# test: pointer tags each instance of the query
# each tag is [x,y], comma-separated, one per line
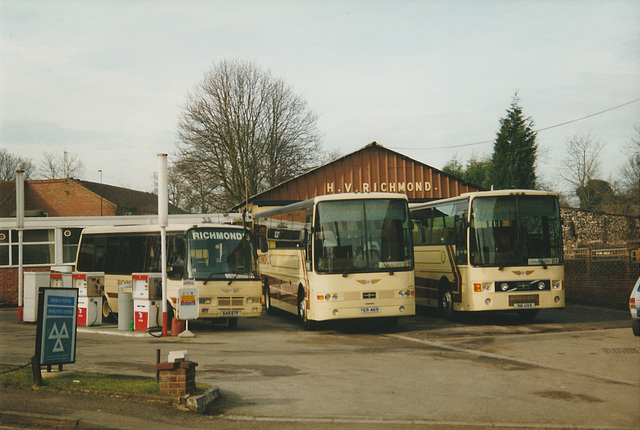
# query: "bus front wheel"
[107,315]
[445,302]
[267,300]
[303,312]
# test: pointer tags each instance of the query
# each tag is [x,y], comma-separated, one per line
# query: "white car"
[634,307]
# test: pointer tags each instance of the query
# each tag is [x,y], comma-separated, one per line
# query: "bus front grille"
[230,301]
[524,298]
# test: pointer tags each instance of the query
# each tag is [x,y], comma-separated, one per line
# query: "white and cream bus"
[338,256]
[220,260]
[489,251]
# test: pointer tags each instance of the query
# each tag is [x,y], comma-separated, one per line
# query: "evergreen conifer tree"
[514,151]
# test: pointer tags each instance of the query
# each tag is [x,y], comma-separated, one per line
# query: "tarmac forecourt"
[577,356]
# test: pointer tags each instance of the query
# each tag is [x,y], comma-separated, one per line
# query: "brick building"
[56,211]
[73,197]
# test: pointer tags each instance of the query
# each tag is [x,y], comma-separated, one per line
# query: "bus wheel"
[302,312]
[107,315]
[445,302]
[232,322]
[267,300]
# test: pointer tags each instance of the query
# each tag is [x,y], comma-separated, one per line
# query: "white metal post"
[20,227]
[163,216]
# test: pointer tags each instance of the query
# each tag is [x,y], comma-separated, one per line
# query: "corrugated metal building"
[373,168]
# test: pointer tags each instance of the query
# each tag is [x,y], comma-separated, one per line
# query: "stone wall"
[602,257]
[595,229]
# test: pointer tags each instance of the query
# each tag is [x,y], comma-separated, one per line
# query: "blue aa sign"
[56,330]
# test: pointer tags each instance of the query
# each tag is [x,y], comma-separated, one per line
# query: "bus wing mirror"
[262,241]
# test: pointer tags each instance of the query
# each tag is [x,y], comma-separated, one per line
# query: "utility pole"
[101,188]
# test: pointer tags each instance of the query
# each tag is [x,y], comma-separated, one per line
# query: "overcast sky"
[106,79]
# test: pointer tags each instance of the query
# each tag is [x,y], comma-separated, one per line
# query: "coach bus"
[489,251]
[219,260]
[339,256]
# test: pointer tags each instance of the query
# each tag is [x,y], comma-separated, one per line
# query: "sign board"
[56,328]
[188,303]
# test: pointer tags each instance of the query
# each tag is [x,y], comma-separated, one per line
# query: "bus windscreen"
[362,236]
[515,231]
[221,254]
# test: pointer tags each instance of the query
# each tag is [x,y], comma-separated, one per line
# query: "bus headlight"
[541,285]
[404,293]
[328,296]
[504,286]
[481,287]
[556,285]
[251,300]
[205,300]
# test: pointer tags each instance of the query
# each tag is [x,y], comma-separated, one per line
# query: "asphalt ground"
[577,368]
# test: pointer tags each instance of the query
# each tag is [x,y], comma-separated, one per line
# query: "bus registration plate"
[230,313]
[524,305]
[369,310]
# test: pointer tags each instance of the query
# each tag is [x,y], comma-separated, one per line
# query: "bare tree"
[9,163]
[581,163]
[243,131]
[53,166]
[631,171]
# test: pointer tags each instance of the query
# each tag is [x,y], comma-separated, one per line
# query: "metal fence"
[616,254]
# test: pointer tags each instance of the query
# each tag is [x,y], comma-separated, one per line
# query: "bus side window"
[154,259]
[99,256]
[87,255]
[461,239]
[418,232]
[461,225]
[176,253]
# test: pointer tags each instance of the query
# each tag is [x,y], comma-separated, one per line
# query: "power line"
[587,116]
[537,131]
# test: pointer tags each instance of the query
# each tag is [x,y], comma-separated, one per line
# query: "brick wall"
[600,283]
[178,377]
[9,283]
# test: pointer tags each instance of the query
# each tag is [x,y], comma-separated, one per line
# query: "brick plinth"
[178,377]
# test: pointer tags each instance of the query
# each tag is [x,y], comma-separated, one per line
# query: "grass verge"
[85,382]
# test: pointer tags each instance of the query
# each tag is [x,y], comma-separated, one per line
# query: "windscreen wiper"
[541,260]
[209,278]
[351,262]
[536,255]
[506,262]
